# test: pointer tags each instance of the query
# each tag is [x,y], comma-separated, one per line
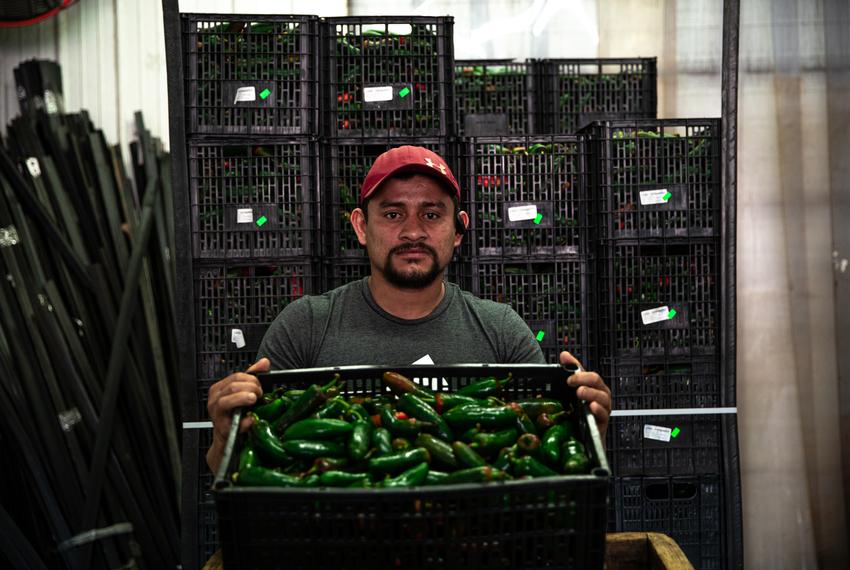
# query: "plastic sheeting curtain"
[788,396]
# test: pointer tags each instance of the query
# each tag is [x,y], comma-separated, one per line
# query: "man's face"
[410,235]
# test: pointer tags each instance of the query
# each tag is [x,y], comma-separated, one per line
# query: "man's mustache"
[412,246]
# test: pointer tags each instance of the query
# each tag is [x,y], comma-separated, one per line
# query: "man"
[410,222]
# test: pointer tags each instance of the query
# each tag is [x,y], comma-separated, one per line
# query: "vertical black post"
[836,14]
[733,539]
[183,256]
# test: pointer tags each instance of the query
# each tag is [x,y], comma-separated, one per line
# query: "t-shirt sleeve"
[287,342]
[520,346]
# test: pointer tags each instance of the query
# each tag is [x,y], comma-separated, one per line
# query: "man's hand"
[238,389]
[592,389]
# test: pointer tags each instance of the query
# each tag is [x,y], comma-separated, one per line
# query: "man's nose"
[413,228]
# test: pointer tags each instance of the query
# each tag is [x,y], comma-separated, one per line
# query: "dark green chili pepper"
[247,457]
[505,459]
[341,478]
[491,443]
[476,475]
[528,465]
[574,457]
[536,406]
[411,477]
[361,435]
[439,450]
[306,449]
[414,406]
[307,403]
[316,429]
[445,401]
[268,444]
[404,428]
[466,455]
[272,410]
[553,440]
[323,464]
[483,388]
[333,408]
[491,418]
[262,477]
[524,424]
[436,477]
[382,441]
[397,462]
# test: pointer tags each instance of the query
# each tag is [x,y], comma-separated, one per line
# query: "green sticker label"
[671,314]
[265,93]
[667,196]
[404,92]
[674,433]
[538,218]
[540,335]
[262,220]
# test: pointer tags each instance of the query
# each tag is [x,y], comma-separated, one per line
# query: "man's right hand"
[238,389]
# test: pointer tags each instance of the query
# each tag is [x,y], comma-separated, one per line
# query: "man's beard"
[417,280]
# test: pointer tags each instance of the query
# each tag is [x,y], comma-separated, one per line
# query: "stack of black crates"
[597,222]
[386,82]
[658,204]
[601,226]
[250,107]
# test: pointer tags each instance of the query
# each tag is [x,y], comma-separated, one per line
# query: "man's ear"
[464,217]
[358,222]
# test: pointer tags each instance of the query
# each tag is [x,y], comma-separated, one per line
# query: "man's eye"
[391,215]
[432,216]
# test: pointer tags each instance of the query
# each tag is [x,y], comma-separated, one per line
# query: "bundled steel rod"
[87,357]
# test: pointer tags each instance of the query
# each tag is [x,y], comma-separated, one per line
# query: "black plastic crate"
[251,74]
[659,299]
[688,509]
[243,298]
[207,518]
[346,164]
[665,445]
[658,178]
[661,383]
[388,76]
[253,200]
[527,196]
[551,296]
[575,92]
[552,522]
[494,97]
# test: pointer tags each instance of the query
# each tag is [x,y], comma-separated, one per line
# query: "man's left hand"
[593,390]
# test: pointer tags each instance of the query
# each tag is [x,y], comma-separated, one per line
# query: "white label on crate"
[520,213]
[50,102]
[244,216]
[237,338]
[33,167]
[657,433]
[650,197]
[655,315]
[374,94]
[245,94]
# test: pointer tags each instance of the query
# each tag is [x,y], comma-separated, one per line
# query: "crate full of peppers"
[497,466]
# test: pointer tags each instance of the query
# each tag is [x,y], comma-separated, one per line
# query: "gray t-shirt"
[346,327]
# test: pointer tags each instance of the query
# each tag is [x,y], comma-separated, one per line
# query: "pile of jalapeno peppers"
[409,436]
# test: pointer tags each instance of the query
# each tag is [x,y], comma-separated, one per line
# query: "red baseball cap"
[408,159]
